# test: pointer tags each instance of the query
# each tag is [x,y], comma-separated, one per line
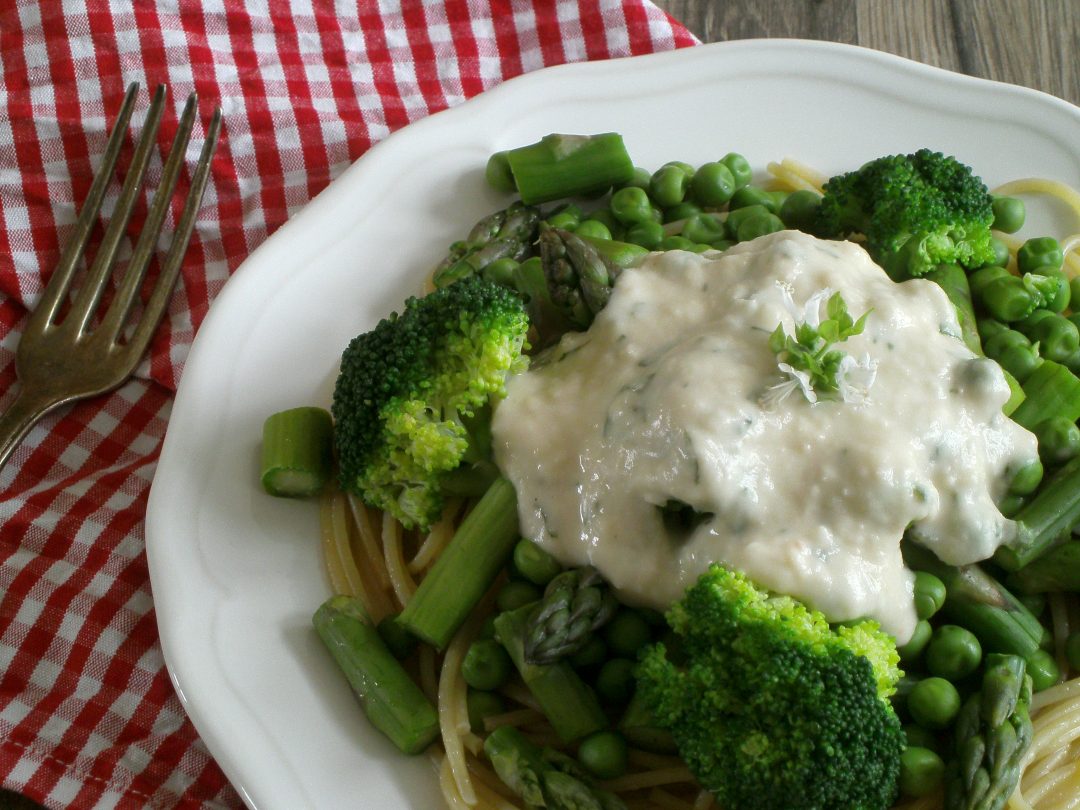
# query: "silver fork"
[61,360]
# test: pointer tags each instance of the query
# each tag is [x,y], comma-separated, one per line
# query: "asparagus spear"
[575,603]
[1052,390]
[542,777]
[472,559]
[953,280]
[980,603]
[560,166]
[1045,519]
[992,732]
[569,705]
[1056,570]
[504,234]
[390,698]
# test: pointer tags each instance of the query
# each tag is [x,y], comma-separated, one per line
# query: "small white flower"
[854,378]
[811,311]
[796,379]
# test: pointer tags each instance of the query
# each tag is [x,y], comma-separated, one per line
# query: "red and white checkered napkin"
[88,717]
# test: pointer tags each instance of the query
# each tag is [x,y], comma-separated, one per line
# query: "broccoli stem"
[296,452]
[953,280]
[980,603]
[390,698]
[569,705]
[1056,570]
[465,570]
[569,165]
[1052,390]
[642,731]
[1048,516]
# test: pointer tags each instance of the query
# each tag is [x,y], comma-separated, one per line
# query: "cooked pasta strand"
[668,801]
[400,579]
[368,539]
[646,779]
[341,568]
[436,539]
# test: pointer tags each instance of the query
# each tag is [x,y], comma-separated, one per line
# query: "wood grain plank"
[716,20]
[1033,43]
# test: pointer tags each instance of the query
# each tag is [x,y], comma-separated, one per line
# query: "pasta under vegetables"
[370,558]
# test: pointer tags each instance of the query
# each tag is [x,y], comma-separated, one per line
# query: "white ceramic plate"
[237,574]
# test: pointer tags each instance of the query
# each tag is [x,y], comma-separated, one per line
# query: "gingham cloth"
[88,716]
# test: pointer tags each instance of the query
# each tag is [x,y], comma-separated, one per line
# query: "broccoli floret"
[407,391]
[917,211]
[769,706]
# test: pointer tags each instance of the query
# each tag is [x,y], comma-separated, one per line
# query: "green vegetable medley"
[768,704]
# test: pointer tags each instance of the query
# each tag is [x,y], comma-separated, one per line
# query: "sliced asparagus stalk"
[390,698]
[560,166]
[465,570]
[1045,519]
[296,452]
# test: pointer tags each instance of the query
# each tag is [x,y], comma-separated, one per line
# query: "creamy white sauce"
[661,400]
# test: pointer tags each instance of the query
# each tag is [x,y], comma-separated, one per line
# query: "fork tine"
[118,310]
[82,309]
[159,298]
[60,281]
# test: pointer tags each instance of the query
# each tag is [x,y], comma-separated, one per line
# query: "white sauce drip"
[661,400]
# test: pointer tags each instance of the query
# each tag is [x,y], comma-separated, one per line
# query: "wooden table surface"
[1034,43]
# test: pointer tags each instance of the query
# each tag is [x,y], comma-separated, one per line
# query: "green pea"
[593,654]
[593,228]
[627,633]
[1013,352]
[753,227]
[929,594]
[953,652]
[605,217]
[1074,289]
[397,639]
[566,219]
[1059,440]
[712,185]
[677,243]
[482,705]
[631,205]
[615,681]
[1057,336]
[498,174]
[752,195]
[487,629]
[1027,478]
[921,771]
[703,228]
[647,234]
[1009,214]
[778,197]
[516,593]
[914,647]
[1043,670]
[1072,651]
[1011,504]
[639,178]
[535,564]
[739,215]
[603,754]
[922,737]
[722,244]
[739,168]
[486,665]
[933,703]
[500,271]
[685,167]
[668,186]
[683,210]
[988,327]
[1039,254]
[800,209]
[1001,253]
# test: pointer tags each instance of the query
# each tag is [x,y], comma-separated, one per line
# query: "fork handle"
[23,413]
